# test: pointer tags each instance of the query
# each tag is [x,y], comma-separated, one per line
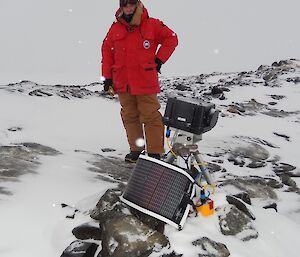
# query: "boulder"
[210,248]
[128,236]
[80,249]
[234,222]
[87,231]
[256,187]
[109,206]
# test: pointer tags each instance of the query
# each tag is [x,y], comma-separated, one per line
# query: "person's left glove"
[159,63]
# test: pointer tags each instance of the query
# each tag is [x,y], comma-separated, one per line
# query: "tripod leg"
[203,169]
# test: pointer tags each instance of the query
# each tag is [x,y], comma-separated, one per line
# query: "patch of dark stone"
[286,169]
[244,196]
[20,159]
[80,249]
[125,230]
[277,97]
[279,113]
[210,248]
[234,222]
[254,152]
[111,169]
[253,107]
[295,80]
[287,138]
[271,206]
[238,203]
[213,167]
[256,187]
[107,150]
[236,160]
[14,129]
[263,154]
[272,103]
[64,91]
[72,211]
[3,190]
[41,149]
[87,231]
[256,164]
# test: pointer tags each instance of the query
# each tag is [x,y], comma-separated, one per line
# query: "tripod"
[184,150]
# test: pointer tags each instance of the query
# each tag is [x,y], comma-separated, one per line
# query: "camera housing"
[190,115]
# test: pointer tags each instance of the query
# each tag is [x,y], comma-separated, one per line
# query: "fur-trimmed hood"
[140,14]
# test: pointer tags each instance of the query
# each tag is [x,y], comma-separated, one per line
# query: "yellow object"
[170,147]
[206,209]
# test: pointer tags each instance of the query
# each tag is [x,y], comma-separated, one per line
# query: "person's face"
[129,9]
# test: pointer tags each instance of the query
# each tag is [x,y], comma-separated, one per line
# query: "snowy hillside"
[58,41]
[62,147]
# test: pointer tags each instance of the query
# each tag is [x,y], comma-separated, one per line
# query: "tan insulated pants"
[139,110]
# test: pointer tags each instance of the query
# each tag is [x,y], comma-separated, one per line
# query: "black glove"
[107,84]
[159,63]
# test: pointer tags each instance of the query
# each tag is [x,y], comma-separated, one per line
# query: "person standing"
[133,51]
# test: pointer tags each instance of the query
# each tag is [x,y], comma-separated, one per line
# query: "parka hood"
[140,15]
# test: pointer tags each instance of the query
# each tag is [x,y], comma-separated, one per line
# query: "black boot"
[154,155]
[132,156]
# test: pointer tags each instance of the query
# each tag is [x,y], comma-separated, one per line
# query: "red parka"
[129,52]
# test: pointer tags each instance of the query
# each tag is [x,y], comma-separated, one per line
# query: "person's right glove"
[108,87]
[107,83]
[159,63]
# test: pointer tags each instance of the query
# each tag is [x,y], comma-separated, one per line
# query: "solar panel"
[160,190]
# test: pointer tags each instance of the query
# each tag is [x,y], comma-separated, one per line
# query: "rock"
[256,164]
[41,149]
[234,222]
[288,181]
[181,87]
[87,231]
[128,236]
[273,182]
[212,167]
[270,76]
[296,80]
[287,138]
[20,159]
[272,103]
[255,187]
[80,249]
[277,97]
[172,254]
[237,160]
[210,248]
[111,169]
[238,203]
[244,196]
[233,110]
[106,150]
[14,129]
[150,221]
[271,206]
[216,91]
[253,151]
[109,206]
[286,169]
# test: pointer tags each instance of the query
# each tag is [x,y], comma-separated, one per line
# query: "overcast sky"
[58,41]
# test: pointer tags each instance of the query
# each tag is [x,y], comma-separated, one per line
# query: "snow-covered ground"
[32,222]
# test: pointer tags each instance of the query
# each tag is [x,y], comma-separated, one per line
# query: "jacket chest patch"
[146,44]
